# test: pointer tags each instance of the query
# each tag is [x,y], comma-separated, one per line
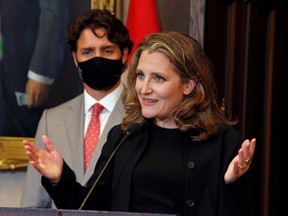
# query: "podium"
[59,212]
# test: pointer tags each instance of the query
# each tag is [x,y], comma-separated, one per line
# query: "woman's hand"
[241,162]
[48,163]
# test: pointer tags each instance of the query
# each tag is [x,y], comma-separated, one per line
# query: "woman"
[184,158]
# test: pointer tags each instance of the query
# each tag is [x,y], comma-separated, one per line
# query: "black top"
[160,170]
[183,177]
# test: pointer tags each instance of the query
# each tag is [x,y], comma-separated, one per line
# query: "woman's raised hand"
[241,162]
[48,163]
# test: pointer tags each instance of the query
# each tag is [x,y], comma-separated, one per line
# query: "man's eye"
[108,52]
[86,53]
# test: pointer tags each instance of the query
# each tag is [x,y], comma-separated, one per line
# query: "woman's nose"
[146,88]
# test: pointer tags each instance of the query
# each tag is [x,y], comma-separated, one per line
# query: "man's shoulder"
[74,102]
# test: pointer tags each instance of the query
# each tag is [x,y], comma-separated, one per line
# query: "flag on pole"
[142,19]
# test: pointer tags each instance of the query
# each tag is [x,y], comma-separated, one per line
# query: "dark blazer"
[206,192]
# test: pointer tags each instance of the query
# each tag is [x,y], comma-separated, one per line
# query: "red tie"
[92,134]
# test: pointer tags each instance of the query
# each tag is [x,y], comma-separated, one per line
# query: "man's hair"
[94,19]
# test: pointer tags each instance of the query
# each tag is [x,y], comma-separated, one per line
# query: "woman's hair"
[94,19]
[199,110]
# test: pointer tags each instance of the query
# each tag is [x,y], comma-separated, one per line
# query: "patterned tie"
[92,134]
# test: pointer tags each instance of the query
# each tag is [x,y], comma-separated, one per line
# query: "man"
[33,48]
[100,45]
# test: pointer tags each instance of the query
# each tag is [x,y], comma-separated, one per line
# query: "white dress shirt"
[108,102]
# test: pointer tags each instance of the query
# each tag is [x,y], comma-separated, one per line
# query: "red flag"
[142,19]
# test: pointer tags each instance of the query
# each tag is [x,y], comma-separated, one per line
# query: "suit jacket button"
[190,203]
[191,164]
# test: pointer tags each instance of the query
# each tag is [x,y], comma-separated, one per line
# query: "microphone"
[132,129]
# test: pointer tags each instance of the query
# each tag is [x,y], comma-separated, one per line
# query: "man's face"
[90,46]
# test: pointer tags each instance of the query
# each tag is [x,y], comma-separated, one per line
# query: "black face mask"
[100,73]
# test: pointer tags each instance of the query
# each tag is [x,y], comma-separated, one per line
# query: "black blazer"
[206,192]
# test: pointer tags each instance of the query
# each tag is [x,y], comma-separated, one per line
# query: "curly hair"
[94,19]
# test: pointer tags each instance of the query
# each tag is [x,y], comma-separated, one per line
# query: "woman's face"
[159,88]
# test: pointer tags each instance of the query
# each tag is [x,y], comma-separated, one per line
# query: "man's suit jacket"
[64,125]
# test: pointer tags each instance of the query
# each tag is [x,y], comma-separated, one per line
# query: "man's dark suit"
[34,39]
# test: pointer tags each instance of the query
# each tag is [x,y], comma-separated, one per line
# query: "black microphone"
[132,129]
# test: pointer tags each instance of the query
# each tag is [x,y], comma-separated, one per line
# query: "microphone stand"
[132,129]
